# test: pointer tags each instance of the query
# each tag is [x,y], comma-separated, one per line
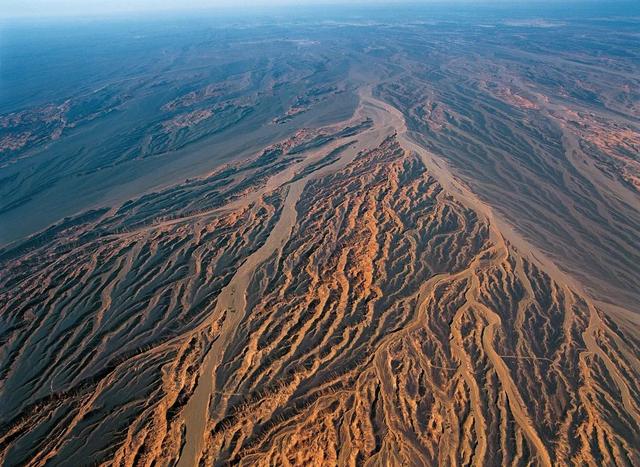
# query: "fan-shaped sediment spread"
[339,299]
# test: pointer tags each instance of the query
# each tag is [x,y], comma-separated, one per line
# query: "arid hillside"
[445,275]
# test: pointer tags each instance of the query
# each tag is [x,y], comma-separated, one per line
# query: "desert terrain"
[381,238]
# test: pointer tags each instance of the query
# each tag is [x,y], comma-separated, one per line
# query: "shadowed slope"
[106,317]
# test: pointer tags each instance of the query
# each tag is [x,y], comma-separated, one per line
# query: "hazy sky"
[13,8]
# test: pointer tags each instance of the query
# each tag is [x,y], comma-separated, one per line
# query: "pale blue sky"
[30,8]
[96,7]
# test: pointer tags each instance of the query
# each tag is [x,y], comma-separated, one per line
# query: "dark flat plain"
[112,143]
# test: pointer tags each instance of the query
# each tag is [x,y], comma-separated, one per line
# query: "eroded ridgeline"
[397,326]
[107,317]
[347,304]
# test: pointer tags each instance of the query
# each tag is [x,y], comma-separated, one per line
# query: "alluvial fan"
[418,245]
